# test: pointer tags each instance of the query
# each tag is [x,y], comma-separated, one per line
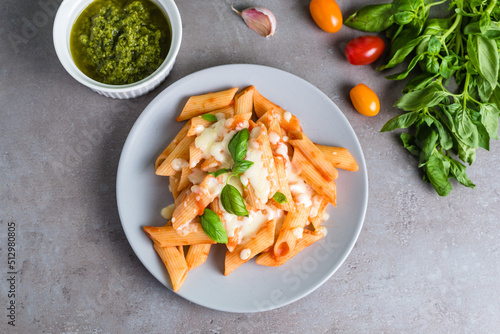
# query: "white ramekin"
[68,13]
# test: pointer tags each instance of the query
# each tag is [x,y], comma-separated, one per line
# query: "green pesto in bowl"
[119,42]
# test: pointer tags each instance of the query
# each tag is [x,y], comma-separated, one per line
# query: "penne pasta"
[201,104]
[175,263]
[180,135]
[243,101]
[242,253]
[197,255]
[166,236]
[314,156]
[294,221]
[267,259]
[339,157]
[175,161]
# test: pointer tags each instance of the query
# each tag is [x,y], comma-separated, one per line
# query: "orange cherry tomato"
[326,14]
[365,100]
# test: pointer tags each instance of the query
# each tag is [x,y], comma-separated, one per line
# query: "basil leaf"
[466,153]
[434,46]
[209,117]
[232,201]
[437,177]
[238,145]
[372,18]
[404,74]
[402,121]
[485,23]
[241,166]
[426,139]
[465,129]
[409,143]
[489,118]
[483,54]
[280,198]
[427,97]
[419,82]
[458,171]
[400,52]
[220,172]
[445,138]
[213,227]
[432,65]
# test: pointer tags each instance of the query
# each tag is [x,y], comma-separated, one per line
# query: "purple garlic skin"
[259,19]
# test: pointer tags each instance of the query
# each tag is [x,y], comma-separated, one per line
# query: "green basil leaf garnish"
[213,227]
[232,201]
[209,117]
[220,172]
[238,145]
[280,198]
[241,166]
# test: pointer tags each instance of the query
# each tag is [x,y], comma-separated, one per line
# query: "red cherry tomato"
[365,100]
[326,14]
[364,50]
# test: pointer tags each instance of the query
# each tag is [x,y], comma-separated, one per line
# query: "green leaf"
[232,201]
[238,145]
[432,65]
[445,138]
[466,153]
[489,118]
[213,227]
[209,117]
[280,198]
[437,176]
[419,99]
[404,74]
[241,166]
[465,129]
[409,143]
[426,139]
[485,23]
[401,122]
[220,172]
[404,17]
[434,46]
[419,82]
[400,52]
[458,171]
[483,54]
[371,18]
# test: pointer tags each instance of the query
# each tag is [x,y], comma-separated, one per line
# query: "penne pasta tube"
[339,157]
[195,155]
[166,236]
[201,104]
[308,238]
[239,121]
[198,124]
[194,203]
[175,263]
[267,159]
[251,198]
[184,180]
[316,217]
[313,155]
[243,101]
[180,135]
[197,255]
[314,178]
[176,159]
[173,184]
[244,252]
[291,230]
[210,165]
[288,121]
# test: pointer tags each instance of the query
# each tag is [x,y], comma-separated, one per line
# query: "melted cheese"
[178,164]
[213,142]
[167,211]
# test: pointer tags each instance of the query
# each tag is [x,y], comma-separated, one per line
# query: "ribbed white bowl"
[67,14]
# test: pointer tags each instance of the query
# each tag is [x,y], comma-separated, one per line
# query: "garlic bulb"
[259,19]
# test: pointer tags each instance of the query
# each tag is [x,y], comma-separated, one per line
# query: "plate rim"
[151,107]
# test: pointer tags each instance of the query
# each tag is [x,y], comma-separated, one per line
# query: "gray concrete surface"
[422,264]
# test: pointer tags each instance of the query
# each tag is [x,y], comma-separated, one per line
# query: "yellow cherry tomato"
[326,14]
[365,100]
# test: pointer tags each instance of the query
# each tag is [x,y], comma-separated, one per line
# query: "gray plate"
[251,288]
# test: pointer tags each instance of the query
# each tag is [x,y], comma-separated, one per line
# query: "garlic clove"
[259,19]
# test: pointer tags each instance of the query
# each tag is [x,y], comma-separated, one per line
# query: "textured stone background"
[422,264]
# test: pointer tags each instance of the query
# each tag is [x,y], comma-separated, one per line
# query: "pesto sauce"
[119,42]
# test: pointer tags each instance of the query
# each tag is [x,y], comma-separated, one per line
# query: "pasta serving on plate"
[243,173]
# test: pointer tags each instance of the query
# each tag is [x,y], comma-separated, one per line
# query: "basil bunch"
[445,126]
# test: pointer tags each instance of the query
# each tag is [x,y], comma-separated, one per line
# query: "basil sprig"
[280,198]
[213,227]
[445,126]
[209,117]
